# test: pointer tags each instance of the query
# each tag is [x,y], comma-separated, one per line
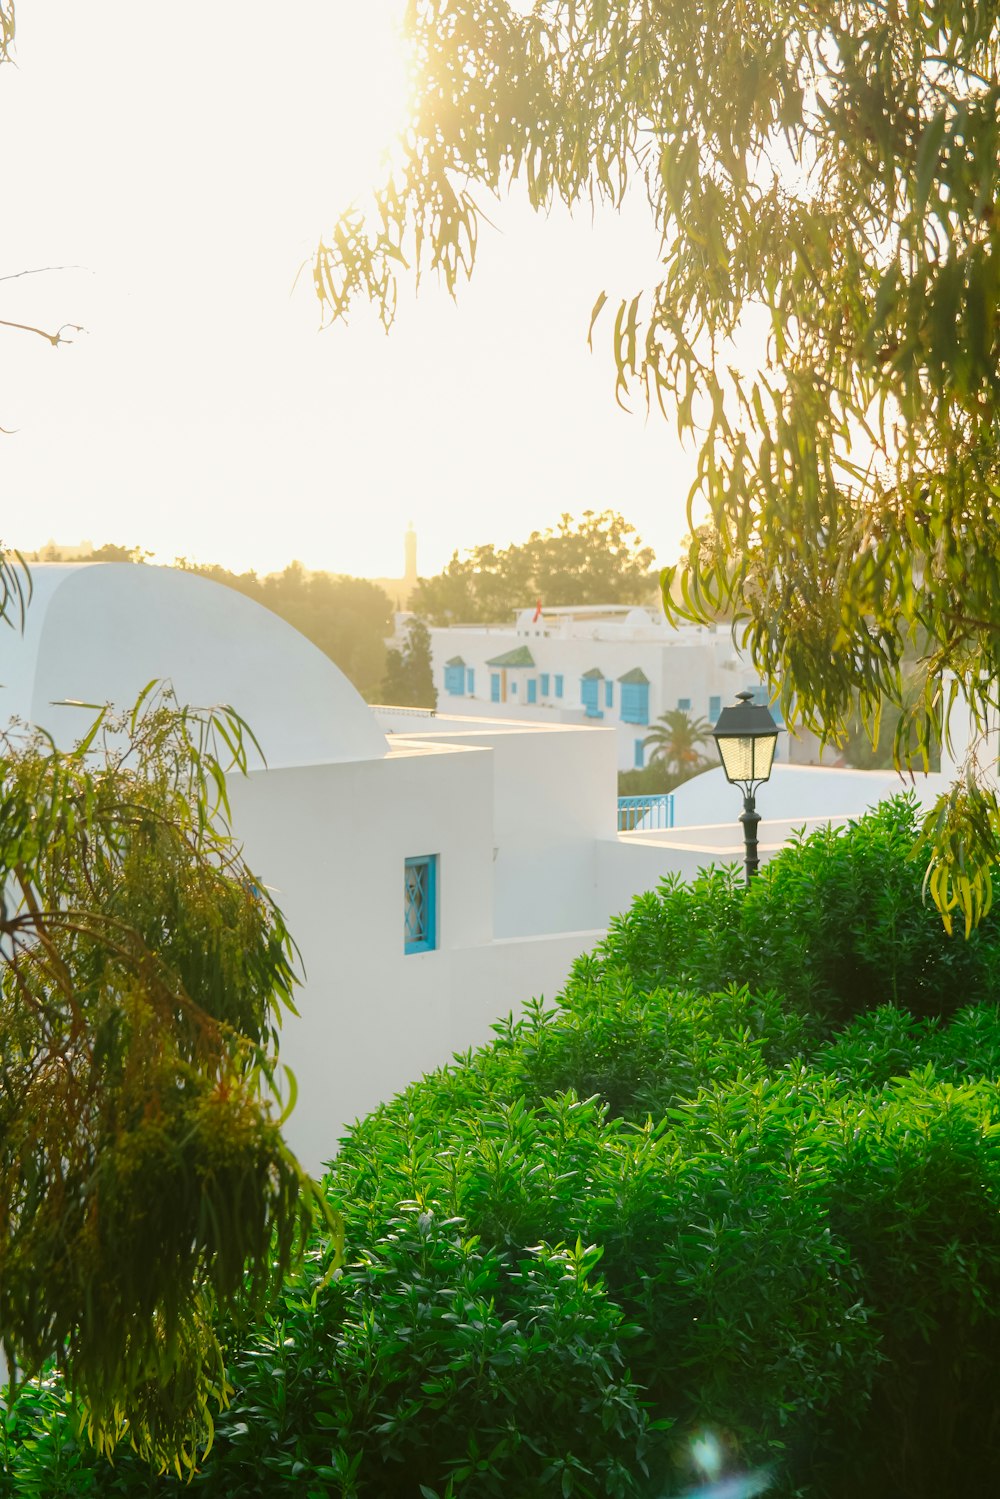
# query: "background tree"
[109,552]
[347,618]
[834,168]
[675,738]
[409,677]
[599,559]
[144,970]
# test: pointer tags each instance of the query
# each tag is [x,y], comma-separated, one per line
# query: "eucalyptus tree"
[831,169]
[145,1188]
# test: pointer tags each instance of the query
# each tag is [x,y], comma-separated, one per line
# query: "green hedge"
[727,1197]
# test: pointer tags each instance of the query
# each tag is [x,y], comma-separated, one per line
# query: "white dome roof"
[99,632]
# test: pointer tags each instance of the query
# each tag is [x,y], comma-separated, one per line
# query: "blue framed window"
[714,708]
[545,683]
[454,679]
[761,696]
[470,681]
[532,690]
[609,694]
[640,754]
[513,689]
[494,686]
[420,895]
[635,702]
[559,686]
[684,705]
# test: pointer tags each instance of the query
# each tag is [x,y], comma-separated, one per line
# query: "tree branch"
[40,270]
[54,339]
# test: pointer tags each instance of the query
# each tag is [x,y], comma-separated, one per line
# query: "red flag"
[538,612]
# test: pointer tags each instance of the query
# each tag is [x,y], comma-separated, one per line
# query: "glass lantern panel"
[763,756]
[738,758]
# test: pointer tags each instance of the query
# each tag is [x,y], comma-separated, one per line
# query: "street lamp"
[746,735]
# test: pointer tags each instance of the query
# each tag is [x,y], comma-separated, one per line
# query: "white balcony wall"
[331,842]
[553,795]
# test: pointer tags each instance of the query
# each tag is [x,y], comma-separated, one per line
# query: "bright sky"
[188,159]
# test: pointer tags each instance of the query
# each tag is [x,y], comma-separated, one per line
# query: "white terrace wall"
[331,842]
[552,797]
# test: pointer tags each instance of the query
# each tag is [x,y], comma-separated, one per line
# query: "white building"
[436,871]
[618,665]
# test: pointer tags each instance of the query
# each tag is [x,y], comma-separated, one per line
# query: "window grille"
[420,904]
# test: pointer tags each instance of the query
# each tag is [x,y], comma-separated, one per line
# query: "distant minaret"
[410,556]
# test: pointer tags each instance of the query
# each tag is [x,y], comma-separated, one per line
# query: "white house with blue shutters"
[436,870]
[618,666]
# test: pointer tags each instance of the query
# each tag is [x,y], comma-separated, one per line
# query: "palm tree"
[675,738]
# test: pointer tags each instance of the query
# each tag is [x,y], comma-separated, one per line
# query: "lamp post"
[745,736]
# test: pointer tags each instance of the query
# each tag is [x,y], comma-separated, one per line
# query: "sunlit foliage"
[722,1222]
[830,172]
[144,970]
[598,559]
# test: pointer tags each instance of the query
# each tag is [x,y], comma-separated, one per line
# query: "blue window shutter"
[513,687]
[420,904]
[454,680]
[588,696]
[545,684]
[609,694]
[494,686]
[714,708]
[532,690]
[640,754]
[635,702]
[684,705]
[559,686]
[470,681]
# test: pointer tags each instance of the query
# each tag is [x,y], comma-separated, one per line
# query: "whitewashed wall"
[694,663]
[331,841]
[553,794]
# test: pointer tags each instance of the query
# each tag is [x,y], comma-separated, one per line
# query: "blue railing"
[645,812]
